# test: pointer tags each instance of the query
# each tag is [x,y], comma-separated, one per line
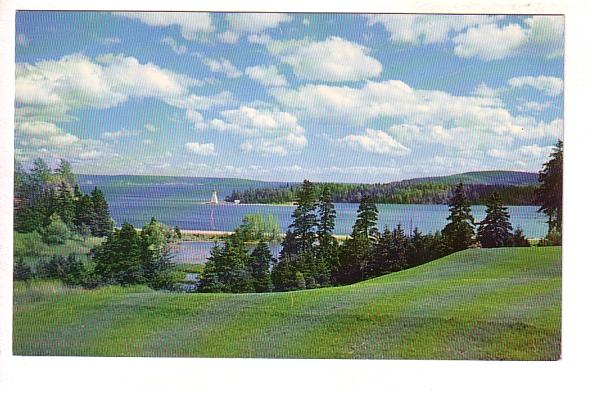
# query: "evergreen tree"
[366,222]
[495,229]
[304,218]
[65,175]
[84,213]
[459,232]
[260,262]
[65,204]
[103,225]
[327,243]
[355,254]
[519,240]
[550,192]
[389,253]
[155,254]
[227,269]
[119,258]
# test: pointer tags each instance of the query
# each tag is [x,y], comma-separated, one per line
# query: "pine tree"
[260,262]
[103,224]
[355,254]
[550,192]
[519,240]
[65,204]
[327,262]
[119,258]
[304,218]
[495,229]
[84,213]
[65,175]
[389,254]
[459,232]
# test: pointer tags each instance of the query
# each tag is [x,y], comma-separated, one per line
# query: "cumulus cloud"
[375,141]
[266,75]
[490,42]
[76,81]
[267,131]
[223,66]
[192,24]
[202,149]
[176,48]
[537,35]
[426,29]
[253,24]
[430,115]
[534,106]
[332,60]
[549,85]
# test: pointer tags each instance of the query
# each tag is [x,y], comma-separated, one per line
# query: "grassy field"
[475,304]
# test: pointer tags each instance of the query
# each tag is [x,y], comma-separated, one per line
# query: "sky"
[326,97]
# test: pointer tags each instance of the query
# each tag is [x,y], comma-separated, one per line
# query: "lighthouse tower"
[214,200]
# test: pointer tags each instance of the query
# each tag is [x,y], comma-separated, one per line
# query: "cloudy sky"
[328,97]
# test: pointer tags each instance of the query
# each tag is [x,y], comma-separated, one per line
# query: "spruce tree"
[459,232]
[495,229]
[355,254]
[304,218]
[550,192]
[103,224]
[260,262]
[519,240]
[119,258]
[327,243]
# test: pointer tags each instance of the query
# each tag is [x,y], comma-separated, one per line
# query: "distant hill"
[506,178]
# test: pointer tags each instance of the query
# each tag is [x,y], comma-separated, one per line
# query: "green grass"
[476,304]
[31,248]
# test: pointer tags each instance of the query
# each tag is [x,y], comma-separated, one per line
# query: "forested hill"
[515,188]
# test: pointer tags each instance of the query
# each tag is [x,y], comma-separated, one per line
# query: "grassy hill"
[475,304]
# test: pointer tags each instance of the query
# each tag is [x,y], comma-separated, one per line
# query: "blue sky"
[328,97]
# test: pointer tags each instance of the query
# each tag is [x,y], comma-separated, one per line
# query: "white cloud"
[431,116]
[259,39]
[120,134]
[229,37]
[110,40]
[75,81]
[269,132]
[196,118]
[150,127]
[266,75]
[222,66]
[549,85]
[176,48]
[537,35]
[195,102]
[202,149]
[484,90]
[490,42]
[332,60]
[255,22]
[534,106]
[376,141]
[191,24]
[426,29]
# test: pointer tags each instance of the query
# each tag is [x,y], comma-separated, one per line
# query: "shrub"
[519,240]
[553,238]
[57,232]
[22,271]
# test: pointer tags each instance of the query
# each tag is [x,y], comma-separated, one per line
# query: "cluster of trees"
[51,202]
[130,257]
[260,227]
[404,192]
[312,257]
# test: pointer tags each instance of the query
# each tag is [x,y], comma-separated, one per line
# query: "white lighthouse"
[214,200]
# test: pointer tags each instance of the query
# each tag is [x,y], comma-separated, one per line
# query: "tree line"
[51,203]
[404,192]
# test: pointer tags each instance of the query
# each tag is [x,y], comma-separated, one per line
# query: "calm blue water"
[180,202]
[198,252]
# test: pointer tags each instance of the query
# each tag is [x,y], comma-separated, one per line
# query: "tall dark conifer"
[103,224]
[459,232]
[495,229]
[550,192]
[304,218]
[260,262]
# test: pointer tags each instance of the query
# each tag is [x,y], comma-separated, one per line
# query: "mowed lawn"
[475,304]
